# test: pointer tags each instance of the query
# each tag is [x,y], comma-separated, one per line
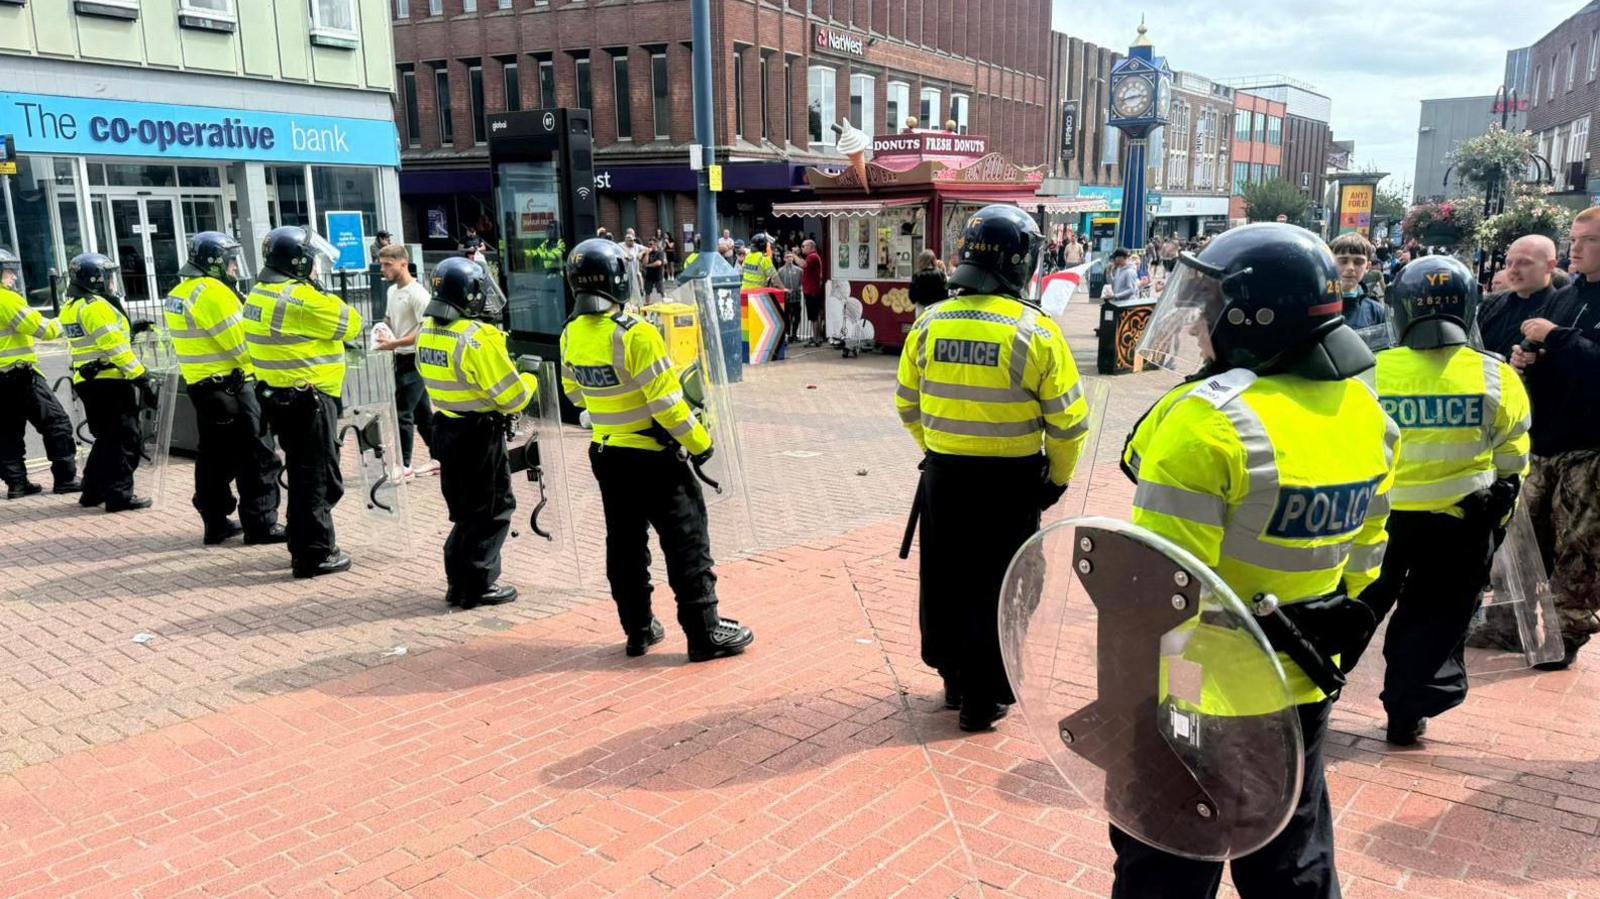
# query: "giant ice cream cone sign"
[854,145]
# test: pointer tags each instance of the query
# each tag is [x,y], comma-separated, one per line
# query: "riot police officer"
[296,332]
[758,271]
[616,366]
[1464,417]
[25,396]
[989,390]
[110,380]
[1272,465]
[205,320]
[474,388]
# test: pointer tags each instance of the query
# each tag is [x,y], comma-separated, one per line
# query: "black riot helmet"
[597,272]
[213,254]
[761,242]
[293,253]
[1434,303]
[91,274]
[462,288]
[11,272]
[1263,297]
[999,249]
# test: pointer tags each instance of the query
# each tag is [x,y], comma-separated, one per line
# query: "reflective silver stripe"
[277,339]
[974,393]
[1366,558]
[344,323]
[17,353]
[909,394]
[1063,402]
[505,383]
[464,405]
[661,405]
[292,364]
[1379,506]
[657,369]
[683,429]
[982,428]
[213,331]
[1417,451]
[1511,464]
[1491,389]
[1518,429]
[1285,558]
[1020,345]
[103,329]
[280,309]
[971,315]
[632,416]
[1391,440]
[1242,539]
[1072,433]
[910,416]
[17,320]
[1455,488]
[208,357]
[1199,508]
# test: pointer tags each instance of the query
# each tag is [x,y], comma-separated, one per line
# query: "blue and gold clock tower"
[1141,98]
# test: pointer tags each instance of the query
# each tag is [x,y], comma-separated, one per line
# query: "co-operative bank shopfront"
[133,179]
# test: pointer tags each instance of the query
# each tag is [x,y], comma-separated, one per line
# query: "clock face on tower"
[1133,97]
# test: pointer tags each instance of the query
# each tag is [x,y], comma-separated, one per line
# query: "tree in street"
[1265,201]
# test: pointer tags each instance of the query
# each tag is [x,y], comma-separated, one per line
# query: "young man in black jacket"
[1530,262]
[1561,364]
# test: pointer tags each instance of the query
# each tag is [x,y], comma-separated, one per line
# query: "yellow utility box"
[680,328]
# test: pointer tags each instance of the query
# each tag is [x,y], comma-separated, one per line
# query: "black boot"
[497,595]
[979,713]
[64,487]
[220,532]
[335,563]
[131,504]
[65,474]
[26,488]
[1405,733]
[639,642]
[726,638]
[952,689]
[1569,656]
[274,534]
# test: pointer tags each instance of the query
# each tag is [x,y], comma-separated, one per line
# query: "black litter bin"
[1122,323]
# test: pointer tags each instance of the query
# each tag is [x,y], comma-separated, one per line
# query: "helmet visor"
[113,273]
[235,266]
[1178,336]
[11,273]
[494,299]
[324,255]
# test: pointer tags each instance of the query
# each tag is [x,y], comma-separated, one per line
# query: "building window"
[788,107]
[1241,126]
[619,71]
[766,130]
[111,9]
[402,9]
[435,7]
[212,15]
[1274,131]
[585,89]
[660,101]
[480,129]
[547,84]
[958,111]
[738,93]
[863,103]
[1260,131]
[513,87]
[1270,172]
[1555,73]
[1594,54]
[503,4]
[1241,176]
[899,106]
[1577,147]
[408,94]
[1538,76]
[441,92]
[820,109]
[469,6]
[930,107]
[1257,175]
[334,21]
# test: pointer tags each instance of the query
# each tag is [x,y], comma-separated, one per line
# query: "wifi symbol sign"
[584,192]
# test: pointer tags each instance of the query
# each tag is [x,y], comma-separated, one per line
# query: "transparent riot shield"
[539,465]
[705,387]
[1151,688]
[369,448]
[1518,627]
[156,413]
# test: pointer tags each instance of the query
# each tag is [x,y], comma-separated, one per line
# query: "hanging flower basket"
[1446,224]
[1528,214]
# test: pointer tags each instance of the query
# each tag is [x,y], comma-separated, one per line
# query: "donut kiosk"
[893,196]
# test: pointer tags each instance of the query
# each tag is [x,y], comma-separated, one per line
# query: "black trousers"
[1297,864]
[234,448]
[412,408]
[644,489]
[307,422]
[977,512]
[26,399]
[475,476]
[112,410]
[1433,574]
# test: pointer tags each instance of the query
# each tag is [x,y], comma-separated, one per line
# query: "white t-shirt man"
[406,308]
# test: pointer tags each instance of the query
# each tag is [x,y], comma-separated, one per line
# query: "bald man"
[1530,262]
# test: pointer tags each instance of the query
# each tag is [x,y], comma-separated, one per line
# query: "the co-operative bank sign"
[81,127]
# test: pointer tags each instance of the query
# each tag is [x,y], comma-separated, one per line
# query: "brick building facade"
[1192,172]
[1257,145]
[1079,73]
[783,71]
[1564,95]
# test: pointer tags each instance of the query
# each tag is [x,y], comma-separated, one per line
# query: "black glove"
[1050,493]
[139,326]
[702,458]
[147,393]
[1492,505]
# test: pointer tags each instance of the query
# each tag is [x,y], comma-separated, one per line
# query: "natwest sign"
[836,40]
[929,143]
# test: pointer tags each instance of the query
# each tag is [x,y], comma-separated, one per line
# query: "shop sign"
[1069,129]
[346,232]
[933,143]
[76,126]
[837,40]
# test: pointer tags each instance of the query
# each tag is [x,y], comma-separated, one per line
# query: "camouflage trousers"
[1563,498]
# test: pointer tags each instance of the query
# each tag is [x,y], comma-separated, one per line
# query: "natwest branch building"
[784,72]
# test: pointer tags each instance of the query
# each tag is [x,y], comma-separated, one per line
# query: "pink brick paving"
[524,755]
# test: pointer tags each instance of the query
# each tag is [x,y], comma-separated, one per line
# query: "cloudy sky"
[1376,61]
